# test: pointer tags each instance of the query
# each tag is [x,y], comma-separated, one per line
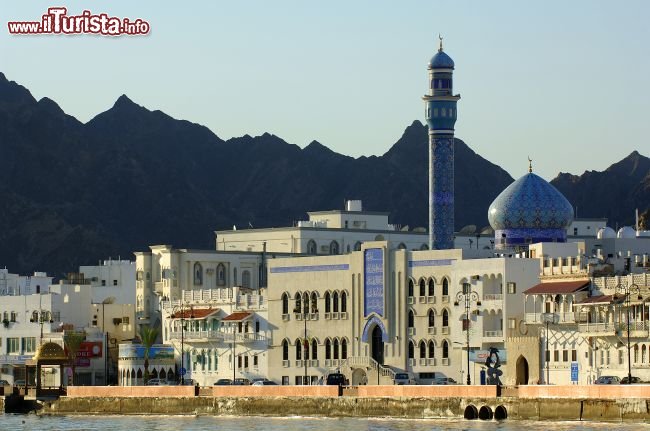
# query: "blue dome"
[530,203]
[441,61]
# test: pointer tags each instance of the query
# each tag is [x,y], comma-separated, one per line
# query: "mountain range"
[75,193]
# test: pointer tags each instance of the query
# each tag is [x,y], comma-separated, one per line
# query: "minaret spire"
[530,165]
[440,45]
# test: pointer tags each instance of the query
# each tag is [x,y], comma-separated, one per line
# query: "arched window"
[423,350]
[305,345]
[334,247]
[298,350]
[643,353]
[424,247]
[357,246]
[298,307]
[285,303]
[314,303]
[246,279]
[311,247]
[410,291]
[445,350]
[305,302]
[221,275]
[411,349]
[431,318]
[401,246]
[328,304]
[336,348]
[432,287]
[344,302]
[445,287]
[445,318]
[335,302]
[328,349]
[423,287]
[314,349]
[411,319]
[432,349]
[344,349]
[636,353]
[198,274]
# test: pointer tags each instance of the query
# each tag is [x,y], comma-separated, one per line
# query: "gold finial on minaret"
[440,47]
[530,165]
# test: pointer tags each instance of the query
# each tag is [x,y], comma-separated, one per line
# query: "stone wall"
[129,391]
[433,391]
[275,391]
[611,392]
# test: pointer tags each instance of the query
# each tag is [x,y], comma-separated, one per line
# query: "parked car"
[223,382]
[19,383]
[187,382]
[403,379]
[157,382]
[335,379]
[241,382]
[608,380]
[4,383]
[444,381]
[264,383]
[635,380]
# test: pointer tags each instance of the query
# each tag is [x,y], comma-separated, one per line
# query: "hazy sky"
[566,82]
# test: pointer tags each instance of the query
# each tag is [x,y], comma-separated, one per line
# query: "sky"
[563,82]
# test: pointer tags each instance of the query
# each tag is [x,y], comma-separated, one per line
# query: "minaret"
[440,112]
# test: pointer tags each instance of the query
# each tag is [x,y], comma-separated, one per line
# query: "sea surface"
[33,422]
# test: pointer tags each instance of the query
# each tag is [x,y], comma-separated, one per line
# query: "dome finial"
[440,38]
[530,165]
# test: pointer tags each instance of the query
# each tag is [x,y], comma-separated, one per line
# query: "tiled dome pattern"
[441,61]
[530,203]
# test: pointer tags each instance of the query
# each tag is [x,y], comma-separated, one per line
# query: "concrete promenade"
[590,403]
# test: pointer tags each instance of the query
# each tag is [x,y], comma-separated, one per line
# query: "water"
[216,423]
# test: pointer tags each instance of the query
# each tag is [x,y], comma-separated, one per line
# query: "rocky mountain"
[74,193]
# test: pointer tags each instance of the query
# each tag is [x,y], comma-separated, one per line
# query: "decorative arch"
[372,322]
[285,350]
[328,302]
[445,286]
[221,274]
[198,274]
[445,317]
[344,302]
[423,349]
[334,247]
[357,246]
[285,303]
[411,287]
[335,301]
[423,287]
[246,279]
[431,318]
[311,247]
[432,349]
[431,291]
[411,319]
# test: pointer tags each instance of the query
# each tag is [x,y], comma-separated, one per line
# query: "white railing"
[367,362]
[559,318]
[197,335]
[494,334]
[493,297]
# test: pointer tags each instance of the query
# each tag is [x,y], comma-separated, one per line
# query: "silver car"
[608,380]
[403,379]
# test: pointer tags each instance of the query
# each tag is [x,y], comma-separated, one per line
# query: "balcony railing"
[239,337]
[493,334]
[560,317]
[493,297]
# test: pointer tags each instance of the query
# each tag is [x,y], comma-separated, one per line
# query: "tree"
[148,337]
[644,220]
[72,342]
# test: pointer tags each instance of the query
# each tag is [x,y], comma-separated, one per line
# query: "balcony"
[197,335]
[493,334]
[538,318]
[243,337]
[493,297]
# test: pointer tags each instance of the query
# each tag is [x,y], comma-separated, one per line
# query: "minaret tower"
[440,111]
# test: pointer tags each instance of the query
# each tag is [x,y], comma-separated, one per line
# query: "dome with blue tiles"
[441,61]
[530,210]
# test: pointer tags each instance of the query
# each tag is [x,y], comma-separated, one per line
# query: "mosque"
[346,291]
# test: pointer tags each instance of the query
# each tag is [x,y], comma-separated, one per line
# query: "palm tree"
[72,342]
[148,337]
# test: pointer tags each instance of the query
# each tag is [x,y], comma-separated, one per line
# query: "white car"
[403,379]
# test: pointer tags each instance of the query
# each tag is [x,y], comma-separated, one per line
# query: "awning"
[237,316]
[558,287]
[195,313]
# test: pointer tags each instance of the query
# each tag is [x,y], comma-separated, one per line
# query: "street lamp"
[468,296]
[624,289]
[180,309]
[41,316]
[548,318]
[305,343]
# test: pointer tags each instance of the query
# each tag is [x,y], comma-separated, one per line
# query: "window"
[114,282]
[255,361]
[246,279]
[344,349]
[305,345]
[305,302]
[198,274]
[512,287]
[13,316]
[257,326]
[285,380]
[314,303]
[311,247]
[314,349]
[423,350]
[13,346]
[548,356]
[432,318]
[357,246]
[298,307]
[336,348]
[556,356]
[411,350]
[411,322]
[410,291]
[335,300]
[285,350]
[239,361]
[432,287]
[575,231]
[221,274]
[298,350]
[246,361]
[103,282]
[328,305]
[432,349]
[285,303]
[328,349]
[29,344]
[512,323]
[445,349]
[344,302]
[334,247]
[445,287]
[423,287]
[574,355]
[445,318]
[565,355]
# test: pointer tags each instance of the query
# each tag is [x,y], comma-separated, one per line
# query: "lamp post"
[548,318]
[41,316]
[180,309]
[468,296]
[624,289]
